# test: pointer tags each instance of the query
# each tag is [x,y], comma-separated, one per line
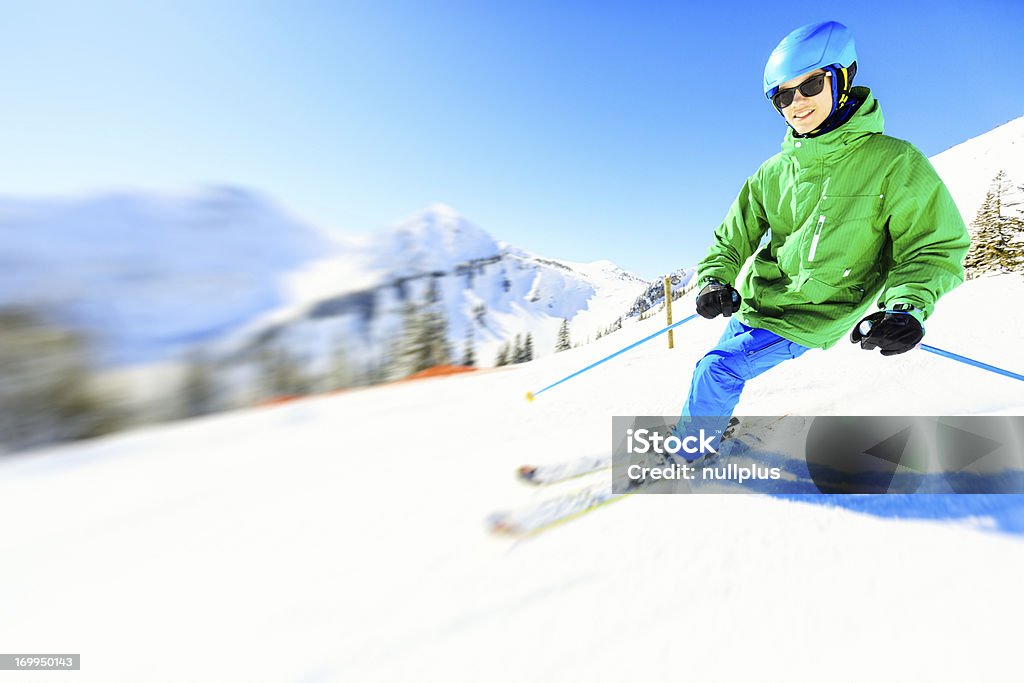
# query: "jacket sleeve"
[929,238]
[738,235]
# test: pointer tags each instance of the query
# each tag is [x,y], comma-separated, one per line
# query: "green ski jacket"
[852,214]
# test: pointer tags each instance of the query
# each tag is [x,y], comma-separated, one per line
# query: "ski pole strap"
[623,350]
[971,361]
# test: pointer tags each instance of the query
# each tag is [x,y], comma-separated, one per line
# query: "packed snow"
[342,538]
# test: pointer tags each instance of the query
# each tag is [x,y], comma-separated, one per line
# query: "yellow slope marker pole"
[668,309]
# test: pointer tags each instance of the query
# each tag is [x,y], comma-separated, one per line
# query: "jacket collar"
[866,121]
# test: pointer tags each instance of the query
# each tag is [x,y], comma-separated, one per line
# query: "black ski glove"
[892,331]
[716,299]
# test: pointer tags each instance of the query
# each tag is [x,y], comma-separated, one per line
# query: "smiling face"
[807,113]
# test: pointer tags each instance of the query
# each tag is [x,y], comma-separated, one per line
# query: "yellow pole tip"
[529,396]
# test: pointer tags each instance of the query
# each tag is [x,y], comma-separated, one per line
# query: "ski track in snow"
[342,537]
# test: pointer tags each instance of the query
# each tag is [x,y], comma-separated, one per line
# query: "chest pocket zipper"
[817,236]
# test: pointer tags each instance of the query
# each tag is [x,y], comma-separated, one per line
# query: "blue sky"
[578,130]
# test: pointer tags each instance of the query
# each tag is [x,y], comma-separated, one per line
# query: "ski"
[561,508]
[554,473]
[552,512]
[543,475]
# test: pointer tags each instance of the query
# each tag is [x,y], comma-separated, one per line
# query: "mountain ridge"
[150,274]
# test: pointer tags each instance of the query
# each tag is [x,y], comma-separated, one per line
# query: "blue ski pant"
[742,353]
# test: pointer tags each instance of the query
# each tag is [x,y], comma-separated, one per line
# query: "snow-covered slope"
[341,538]
[968,168]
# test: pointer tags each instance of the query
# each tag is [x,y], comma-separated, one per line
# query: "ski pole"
[971,361]
[865,329]
[530,395]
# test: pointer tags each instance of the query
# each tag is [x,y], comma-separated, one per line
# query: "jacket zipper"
[766,346]
[817,236]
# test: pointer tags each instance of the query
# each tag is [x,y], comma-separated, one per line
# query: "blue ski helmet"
[810,47]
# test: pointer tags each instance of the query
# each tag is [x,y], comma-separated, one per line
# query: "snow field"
[342,537]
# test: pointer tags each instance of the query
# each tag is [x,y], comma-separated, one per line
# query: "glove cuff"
[906,308]
[708,280]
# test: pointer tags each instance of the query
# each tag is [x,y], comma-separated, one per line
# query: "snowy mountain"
[681,281]
[436,240]
[488,291]
[145,274]
[149,276]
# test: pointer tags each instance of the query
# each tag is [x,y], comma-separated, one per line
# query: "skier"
[852,215]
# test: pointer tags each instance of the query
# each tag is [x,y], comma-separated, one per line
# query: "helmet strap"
[844,104]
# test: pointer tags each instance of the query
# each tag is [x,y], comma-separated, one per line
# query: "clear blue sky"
[579,130]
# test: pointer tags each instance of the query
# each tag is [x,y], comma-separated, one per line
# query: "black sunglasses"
[809,88]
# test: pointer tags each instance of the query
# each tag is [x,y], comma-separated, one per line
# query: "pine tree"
[424,340]
[562,342]
[517,350]
[528,348]
[48,389]
[997,244]
[339,375]
[468,353]
[440,351]
[198,387]
[412,350]
[281,372]
[503,354]
[1008,197]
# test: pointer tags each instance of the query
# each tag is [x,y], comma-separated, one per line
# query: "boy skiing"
[853,215]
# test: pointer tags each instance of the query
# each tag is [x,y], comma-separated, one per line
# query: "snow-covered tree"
[281,371]
[424,341]
[997,242]
[563,343]
[47,391]
[503,355]
[410,351]
[199,385]
[1009,198]
[340,372]
[468,353]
